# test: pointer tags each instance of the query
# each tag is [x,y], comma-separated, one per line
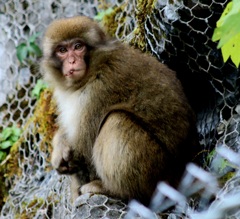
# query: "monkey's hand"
[62,155]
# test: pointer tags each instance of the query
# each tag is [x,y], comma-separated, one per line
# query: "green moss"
[34,205]
[44,119]
[31,208]
[3,190]
[111,24]
[226,177]
[144,8]
[9,169]
[113,21]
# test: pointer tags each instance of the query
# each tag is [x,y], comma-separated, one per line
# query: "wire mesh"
[178,33]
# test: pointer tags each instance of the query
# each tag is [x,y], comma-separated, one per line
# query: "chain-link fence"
[178,33]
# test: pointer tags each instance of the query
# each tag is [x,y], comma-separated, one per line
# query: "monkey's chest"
[72,113]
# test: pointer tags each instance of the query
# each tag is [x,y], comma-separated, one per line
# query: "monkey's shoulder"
[122,58]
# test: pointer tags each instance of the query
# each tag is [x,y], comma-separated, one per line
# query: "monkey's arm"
[62,154]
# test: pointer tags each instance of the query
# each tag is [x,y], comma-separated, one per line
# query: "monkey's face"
[66,48]
[71,56]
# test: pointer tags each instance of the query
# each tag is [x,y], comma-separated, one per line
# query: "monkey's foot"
[93,187]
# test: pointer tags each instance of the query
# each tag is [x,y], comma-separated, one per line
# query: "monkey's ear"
[95,36]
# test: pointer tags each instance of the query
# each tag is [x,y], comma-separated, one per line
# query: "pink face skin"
[71,54]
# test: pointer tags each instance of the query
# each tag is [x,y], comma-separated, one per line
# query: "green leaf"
[39,87]
[33,38]
[6,144]
[22,52]
[2,155]
[233,7]
[228,32]
[9,134]
[33,48]
[101,14]
[224,163]
[229,29]
[16,131]
[30,47]
[224,14]
[231,49]
[216,34]
[5,134]
[226,24]
[13,138]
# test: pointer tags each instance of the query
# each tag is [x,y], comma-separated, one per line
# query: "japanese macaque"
[123,117]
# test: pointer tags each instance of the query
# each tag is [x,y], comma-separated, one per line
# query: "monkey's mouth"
[70,72]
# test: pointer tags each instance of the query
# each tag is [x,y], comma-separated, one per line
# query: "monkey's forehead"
[74,27]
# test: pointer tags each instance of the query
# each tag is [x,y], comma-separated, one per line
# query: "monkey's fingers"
[66,168]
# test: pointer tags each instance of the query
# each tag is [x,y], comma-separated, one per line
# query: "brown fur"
[128,118]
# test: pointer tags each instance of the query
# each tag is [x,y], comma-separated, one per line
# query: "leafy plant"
[39,87]
[8,137]
[101,14]
[228,32]
[24,50]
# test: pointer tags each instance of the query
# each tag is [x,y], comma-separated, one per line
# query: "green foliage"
[228,32]
[39,87]
[100,15]
[219,163]
[7,138]
[24,50]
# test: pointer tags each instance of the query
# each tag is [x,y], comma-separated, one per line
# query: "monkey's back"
[139,84]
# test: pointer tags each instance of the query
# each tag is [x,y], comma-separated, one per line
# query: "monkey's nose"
[71,60]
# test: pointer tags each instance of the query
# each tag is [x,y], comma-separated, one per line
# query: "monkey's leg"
[127,160]
[75,186]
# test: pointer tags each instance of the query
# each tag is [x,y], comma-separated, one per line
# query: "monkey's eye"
[78,46]
[62,49]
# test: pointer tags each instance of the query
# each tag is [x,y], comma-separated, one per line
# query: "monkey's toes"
[93,187]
